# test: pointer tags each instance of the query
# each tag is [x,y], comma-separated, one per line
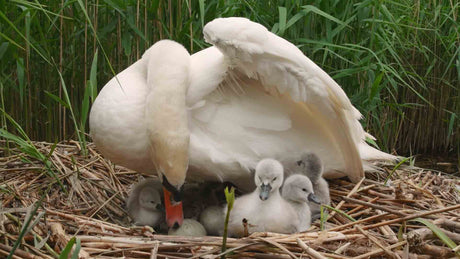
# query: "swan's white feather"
[253,95]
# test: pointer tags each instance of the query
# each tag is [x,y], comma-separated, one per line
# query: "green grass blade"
[314,9]
[404,160]
[230,197]
[282,20]
[66,251]
[340,212]
[438,232]
[77,249]
[93,78]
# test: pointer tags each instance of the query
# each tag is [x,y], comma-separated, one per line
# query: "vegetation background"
[398,61]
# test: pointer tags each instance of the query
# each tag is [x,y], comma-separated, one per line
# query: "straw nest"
[381,221]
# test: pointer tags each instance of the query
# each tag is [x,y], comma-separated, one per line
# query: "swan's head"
[150,199]
[268,177]
[298,188]
[167,69]
[310,164]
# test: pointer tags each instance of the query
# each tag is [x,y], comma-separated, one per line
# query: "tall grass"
[399,61]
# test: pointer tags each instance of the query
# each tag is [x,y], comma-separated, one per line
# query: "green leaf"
[230,197]
[202,4]
[395,168]
[438,232]
[282,20]
[372,142]
[77,249]
[93,78]
[340,212]
[57,99]
[66,251]
[314,9]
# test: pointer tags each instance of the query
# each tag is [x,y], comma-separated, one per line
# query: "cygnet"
[264,208]
[212,218]
[298,190]
[311,166]
[144,203]
[189,227]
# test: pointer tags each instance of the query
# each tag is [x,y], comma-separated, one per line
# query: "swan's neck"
[166,113]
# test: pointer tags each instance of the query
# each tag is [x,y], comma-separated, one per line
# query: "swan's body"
[144,203]
[311,166]
[298,190]
[252,95]
[264,208]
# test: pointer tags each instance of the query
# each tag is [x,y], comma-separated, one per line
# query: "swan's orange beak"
[174,213]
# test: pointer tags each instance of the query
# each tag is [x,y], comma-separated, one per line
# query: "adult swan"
[213,115]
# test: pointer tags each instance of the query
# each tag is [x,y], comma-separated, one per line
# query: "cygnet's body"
[144,203]
[213,218]
[264,208]
[311,166]
[298,190]
[189,227]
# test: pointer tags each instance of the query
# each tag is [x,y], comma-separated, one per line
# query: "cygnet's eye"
[274,179]
[303,189]
[299,162]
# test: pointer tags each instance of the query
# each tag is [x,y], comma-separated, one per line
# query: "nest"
[369,219]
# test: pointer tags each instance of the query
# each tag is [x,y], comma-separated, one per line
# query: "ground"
[368,219]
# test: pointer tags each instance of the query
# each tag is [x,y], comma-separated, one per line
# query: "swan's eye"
[299,162]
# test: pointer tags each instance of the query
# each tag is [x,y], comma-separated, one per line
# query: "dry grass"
[92,210]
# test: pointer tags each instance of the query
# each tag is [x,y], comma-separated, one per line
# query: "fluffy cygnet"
[189,227]
[264,208]
[298,190]
[213,218]
[144,203]
[311,166]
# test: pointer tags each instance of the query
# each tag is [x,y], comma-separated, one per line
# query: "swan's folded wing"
[284,71]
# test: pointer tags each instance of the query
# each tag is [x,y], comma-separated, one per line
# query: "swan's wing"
[250,49]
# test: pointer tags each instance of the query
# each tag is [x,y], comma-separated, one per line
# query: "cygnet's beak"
[313,198]
[265,191]
[173,205]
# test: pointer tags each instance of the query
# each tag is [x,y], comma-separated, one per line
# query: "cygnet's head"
[268,177]
[311,166]
[149,199]
[298,188]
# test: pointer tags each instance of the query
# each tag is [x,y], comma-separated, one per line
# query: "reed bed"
[408,217]
[398,61]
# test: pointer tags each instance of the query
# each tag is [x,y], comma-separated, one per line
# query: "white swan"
[215,114]
[264,208]
[144,203]
[298,190]
[311,166]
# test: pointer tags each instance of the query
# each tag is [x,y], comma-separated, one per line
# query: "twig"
[379,251]
[279,246]
[154,252]
[375,241]
[353,191]
[375,206]
[418,215]
[309,250]
[19,252]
